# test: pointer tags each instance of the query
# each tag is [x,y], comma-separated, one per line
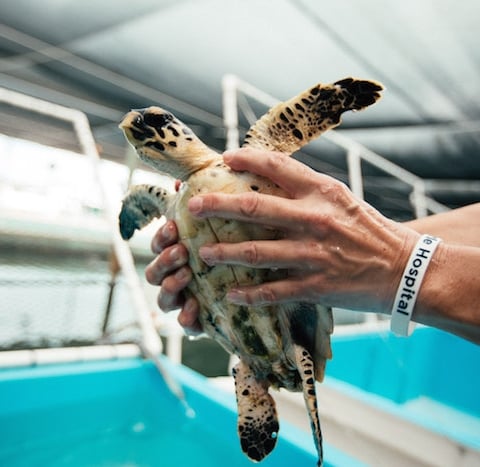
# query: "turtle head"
[165,143]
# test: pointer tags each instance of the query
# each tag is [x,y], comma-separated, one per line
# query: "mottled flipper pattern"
[306,369]
[291,124]
[142,204]
[257,416]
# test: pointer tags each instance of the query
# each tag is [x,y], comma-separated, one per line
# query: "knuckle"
[250,253]
[340,190]
[317,220]
[267,295]
[209,202]
[312,255]
[275,160]
[249,204]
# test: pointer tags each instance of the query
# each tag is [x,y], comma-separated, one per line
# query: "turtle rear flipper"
[306,370]
[257,416]
[310,327]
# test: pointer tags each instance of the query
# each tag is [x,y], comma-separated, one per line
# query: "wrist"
[402,251]
[410,284]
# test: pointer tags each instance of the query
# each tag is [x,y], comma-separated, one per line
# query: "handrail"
[82,129]
[151,344]
[355,152]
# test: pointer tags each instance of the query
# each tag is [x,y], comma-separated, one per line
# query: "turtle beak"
[134,118]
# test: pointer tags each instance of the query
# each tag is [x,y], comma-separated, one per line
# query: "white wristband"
[410,283]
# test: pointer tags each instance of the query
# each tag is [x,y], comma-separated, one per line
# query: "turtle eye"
[157,120]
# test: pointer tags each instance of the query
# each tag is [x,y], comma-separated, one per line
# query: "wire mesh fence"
[54,298]
[59,283]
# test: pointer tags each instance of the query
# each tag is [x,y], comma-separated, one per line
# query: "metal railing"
[122,251]
[150,343]
[233,90]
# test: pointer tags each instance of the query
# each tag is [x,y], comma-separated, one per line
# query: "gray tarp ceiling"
[105,57]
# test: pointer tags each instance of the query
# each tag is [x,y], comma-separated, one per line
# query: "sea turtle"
[281,346]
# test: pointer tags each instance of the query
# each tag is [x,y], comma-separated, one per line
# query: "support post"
[230,112]
[354,163]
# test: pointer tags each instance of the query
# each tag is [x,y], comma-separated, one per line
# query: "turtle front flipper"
[141,205]
[292,124]
[306,369]
[257,416]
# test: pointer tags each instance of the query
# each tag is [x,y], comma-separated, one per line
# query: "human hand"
[170,270]
[338,250]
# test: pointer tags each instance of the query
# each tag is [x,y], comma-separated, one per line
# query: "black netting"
[62,299]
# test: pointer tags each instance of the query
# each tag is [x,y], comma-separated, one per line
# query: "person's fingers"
[170,295]
[279,254]
[168,261]
[253,207]
[170,302]
[289,290]
[188,317]
[294,177]
[165,236]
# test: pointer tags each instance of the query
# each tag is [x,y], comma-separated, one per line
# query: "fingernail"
[237,296]
[195,205]
[207,254]
[229,155]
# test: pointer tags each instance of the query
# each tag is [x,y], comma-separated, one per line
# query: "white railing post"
[151,344]
[356,153]
[230,111]
[124,255]
[354,163]
[419,199]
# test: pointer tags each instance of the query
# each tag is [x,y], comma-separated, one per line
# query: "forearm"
[460,226]
[450,295]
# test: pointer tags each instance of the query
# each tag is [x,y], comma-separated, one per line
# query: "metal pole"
[151,343]
[419,200]
[354,163]
[230,112]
